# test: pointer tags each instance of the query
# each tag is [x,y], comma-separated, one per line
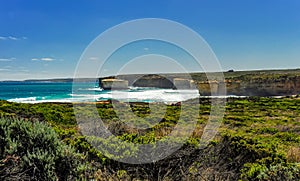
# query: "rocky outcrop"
[163,82]
[207,88]
[247,83]
[271,86]
[108,84]
[153,81]
[180,83]
[257,86]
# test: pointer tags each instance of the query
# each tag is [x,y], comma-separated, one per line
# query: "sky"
[45,39]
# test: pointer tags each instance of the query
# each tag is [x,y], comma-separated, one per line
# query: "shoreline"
[108,101]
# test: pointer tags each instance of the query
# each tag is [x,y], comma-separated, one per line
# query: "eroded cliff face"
[270,86]
[108,84]
[254,83]
[208,88]
[153,81]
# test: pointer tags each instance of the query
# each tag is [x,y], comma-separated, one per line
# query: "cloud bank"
[7,59]
[13,38]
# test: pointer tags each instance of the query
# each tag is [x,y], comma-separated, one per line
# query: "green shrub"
[287,136]
[261,172]
[33,151]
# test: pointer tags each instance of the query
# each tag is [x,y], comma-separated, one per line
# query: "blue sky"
[44,39]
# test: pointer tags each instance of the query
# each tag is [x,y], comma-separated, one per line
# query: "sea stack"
[180,83]
[109,84]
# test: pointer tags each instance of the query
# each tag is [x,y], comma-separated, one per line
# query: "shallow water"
[36,92]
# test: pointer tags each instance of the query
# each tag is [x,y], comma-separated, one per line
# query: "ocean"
[47,91]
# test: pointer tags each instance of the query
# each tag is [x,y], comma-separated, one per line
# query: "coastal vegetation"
[259,139]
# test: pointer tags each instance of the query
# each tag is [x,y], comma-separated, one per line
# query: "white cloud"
[13,38]
[7,59]
[46,59]
[4,69]
[94,58]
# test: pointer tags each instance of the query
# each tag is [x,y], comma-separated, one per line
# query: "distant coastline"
[262,83]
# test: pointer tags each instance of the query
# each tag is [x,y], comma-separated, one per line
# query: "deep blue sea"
[36,92]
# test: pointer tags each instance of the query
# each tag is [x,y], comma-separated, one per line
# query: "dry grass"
[293,154]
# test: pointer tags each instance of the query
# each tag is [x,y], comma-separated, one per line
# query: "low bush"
[33,151]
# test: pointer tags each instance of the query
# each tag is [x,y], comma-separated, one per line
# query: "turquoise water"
[35,92]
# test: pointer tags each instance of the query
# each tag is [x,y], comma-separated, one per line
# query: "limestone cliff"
[153,81]
[244,83]
[271,85]
[108,84]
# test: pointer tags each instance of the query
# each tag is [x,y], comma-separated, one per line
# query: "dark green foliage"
[56,113]
[33,151]
[279,171]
